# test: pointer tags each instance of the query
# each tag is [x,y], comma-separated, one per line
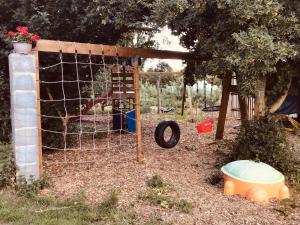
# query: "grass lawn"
[42,210]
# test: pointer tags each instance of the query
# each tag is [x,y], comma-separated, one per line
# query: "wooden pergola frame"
[52,46]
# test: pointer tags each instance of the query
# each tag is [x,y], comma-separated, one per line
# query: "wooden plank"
[107,50]
[139,149]
[122,88]
[167,74]
[223,109]
[123,96]
[38,110]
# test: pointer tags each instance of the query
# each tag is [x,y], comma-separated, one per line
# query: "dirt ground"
[185,167]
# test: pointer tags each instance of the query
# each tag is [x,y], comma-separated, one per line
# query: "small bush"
[214,178]
[155,197]
[184,206]
[30,188]
[7,167]
[156,182]
[264,140]
[109,204]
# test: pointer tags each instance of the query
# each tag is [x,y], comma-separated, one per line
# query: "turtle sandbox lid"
[252,172]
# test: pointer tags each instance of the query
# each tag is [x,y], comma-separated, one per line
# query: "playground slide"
[91,104]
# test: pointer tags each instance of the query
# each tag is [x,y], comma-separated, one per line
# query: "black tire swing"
[159,134]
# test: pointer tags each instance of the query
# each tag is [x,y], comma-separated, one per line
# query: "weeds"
[30,188]
[7,167]
[288,208]
[155,195]
[109,205]
[214,178]
[156,182]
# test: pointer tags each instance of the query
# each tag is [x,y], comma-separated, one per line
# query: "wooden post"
[183,98]
[223,109]
[38,109]
[158,94]
[136,77]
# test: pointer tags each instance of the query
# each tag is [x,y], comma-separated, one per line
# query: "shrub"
[7,167]
[5,129]
[109,204]
[156,182]
[30,188]
[264,140]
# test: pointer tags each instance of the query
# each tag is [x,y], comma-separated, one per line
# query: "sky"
[167,41]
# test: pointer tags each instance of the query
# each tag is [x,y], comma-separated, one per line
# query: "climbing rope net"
[85,100]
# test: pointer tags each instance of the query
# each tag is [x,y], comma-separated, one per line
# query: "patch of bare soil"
[186,167]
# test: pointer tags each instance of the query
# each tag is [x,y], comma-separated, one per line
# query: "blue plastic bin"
[130,119]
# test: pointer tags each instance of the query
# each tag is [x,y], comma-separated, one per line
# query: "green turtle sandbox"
[256,181]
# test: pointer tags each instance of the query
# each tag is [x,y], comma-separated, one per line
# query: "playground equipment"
[160,131]
[119,89]
[256,181]
[205,126]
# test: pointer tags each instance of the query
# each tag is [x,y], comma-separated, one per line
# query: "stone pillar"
[24,115]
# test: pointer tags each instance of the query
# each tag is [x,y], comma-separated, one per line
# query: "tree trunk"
[260,101]
[244,108]
[275,106]
[189,93]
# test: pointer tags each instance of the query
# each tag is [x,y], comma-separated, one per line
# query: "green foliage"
[7,167]
[107,22]
[109,204]
[156,182]
[156,195]
[5,128]
[215,178]
[46,210]
[288,208]
[248,38]
[264,140]
[30,188]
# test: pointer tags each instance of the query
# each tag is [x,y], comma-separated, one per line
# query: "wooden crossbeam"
[107,50]
[166,74]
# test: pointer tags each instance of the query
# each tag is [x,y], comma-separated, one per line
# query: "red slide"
[91,104]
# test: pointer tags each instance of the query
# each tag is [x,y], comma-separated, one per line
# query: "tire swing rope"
[160,130]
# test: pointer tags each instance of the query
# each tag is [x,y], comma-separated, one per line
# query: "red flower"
[25,33]
[10,34]
[35,37]
[22,29]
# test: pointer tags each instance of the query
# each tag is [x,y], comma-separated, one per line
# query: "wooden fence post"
[136,77]
[158,94]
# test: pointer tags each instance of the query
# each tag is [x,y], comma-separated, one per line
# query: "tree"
[257,40]
[99,21]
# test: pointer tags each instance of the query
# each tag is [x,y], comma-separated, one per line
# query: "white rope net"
[85,110]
